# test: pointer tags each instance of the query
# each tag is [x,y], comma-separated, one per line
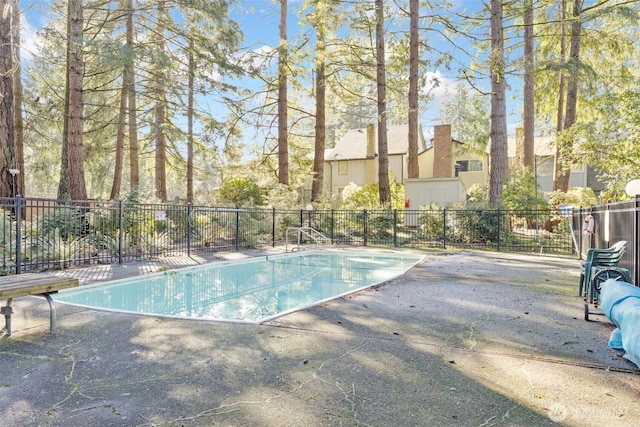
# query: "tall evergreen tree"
[528,115]
[322,13]
[72,170]
[414,58]
[160,80]
[383,159]
[565,142]
[129,78]
[498,156]
[17,98]
[283,147]
[7,146]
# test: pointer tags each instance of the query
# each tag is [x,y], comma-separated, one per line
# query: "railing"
[305,232]
[613,222]
[43,234]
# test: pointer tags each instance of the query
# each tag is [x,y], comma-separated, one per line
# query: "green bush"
[521,192]
[240,191]
[523,196]
[368,196]
[578,197]
[380,223]
[430,221]
[479,225]
[64,222]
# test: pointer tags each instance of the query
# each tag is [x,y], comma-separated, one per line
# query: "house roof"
[353,145]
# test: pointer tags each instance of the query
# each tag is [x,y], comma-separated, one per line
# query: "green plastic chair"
[609,257]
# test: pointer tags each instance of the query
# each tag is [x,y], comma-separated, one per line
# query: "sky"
[260,27]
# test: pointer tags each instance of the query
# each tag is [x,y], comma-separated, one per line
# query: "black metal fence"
[43,234]
[612,222]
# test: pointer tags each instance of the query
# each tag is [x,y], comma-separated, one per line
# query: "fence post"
[120,231]
[395,227]
[188,229]
[18,204]
[273,227]
[444,228]
[237,228]
[499,227]
[580,233]
[333,219]
[364,226]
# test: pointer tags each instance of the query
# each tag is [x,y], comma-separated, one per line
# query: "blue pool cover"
[621,304]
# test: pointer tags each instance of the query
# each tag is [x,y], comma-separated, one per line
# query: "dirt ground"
[462,339]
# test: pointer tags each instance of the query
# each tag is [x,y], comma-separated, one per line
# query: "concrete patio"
[462,339]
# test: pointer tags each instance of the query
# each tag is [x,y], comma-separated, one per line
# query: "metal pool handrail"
[308,232]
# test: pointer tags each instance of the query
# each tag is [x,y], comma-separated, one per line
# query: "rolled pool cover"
[620,302]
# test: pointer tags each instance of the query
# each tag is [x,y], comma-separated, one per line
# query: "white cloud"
[28,38]
[437,86]
[262,57]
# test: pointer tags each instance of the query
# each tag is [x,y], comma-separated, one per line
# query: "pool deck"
[462,339]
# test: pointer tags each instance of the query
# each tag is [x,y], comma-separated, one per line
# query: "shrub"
[430,221]
[380,223]
[64,222]
[521,196]
[368,196]
[520,192]
[479,225]
[240,191]
[281,197]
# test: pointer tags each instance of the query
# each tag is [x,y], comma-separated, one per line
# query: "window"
[578,167]
[343,168]
[470,165]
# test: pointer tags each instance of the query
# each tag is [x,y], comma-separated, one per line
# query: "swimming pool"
[250,290]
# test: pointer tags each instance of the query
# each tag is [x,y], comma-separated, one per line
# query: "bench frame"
[43,285]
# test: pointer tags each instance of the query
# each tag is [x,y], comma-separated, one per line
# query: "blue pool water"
[251,290]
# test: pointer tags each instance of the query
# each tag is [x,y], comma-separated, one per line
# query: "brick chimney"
[442,152]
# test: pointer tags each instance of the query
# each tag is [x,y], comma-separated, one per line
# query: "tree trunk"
[77,189]
[18,122]
[191,73]
[383,159]
[63,184]
[565,146]
[529,106]
[498,149]
[283,146]
[122,114]
[412,155]
[320,137]
[159,109]
[130,77]
[7,147]
[561,79]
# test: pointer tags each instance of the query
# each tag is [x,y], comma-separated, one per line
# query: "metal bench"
[21,285]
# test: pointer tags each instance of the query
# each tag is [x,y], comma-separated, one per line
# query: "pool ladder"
[305,232]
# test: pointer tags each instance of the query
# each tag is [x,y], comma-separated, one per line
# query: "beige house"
[445,171]
[545,154]
[354,159]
